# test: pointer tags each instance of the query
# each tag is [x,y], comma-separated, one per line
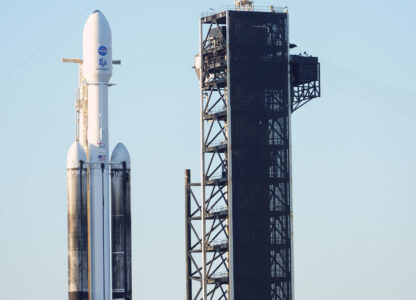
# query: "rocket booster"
[121,223]
[76,165]
[94,229]
[97,70]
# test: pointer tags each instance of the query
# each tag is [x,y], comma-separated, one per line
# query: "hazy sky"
[353,157]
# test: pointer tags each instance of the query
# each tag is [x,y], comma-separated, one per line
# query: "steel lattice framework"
[238,219]
[305,80]
[210,214]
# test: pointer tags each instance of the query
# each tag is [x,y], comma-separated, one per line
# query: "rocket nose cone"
[120,155]
[97,15]
[75,153]
[97,26]
[97,48]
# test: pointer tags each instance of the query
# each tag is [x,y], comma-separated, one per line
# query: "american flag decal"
[101,157]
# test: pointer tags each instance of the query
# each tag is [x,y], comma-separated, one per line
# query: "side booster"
[76,166]
[99,234]
[121,223]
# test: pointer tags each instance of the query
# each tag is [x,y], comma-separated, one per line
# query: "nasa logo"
[102,50]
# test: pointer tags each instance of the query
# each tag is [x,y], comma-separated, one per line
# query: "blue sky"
[353,149]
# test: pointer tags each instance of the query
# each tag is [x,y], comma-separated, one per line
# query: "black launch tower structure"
[239,217]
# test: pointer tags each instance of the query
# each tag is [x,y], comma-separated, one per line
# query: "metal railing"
[216,143]
[219,275]
[216,109]
[217,209]
[215,176]
[274,9]
[218,242]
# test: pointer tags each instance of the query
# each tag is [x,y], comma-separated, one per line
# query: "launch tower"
[239,238]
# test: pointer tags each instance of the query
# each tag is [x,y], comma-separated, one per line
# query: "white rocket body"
[97,69]
[92,150]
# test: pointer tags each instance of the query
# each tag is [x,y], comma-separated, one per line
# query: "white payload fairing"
[95,226]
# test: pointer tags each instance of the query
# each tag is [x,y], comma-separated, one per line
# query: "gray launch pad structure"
[238,219]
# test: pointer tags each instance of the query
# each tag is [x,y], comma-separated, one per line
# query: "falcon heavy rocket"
[99,226]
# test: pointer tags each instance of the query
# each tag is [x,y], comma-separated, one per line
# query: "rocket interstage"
[94,269]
